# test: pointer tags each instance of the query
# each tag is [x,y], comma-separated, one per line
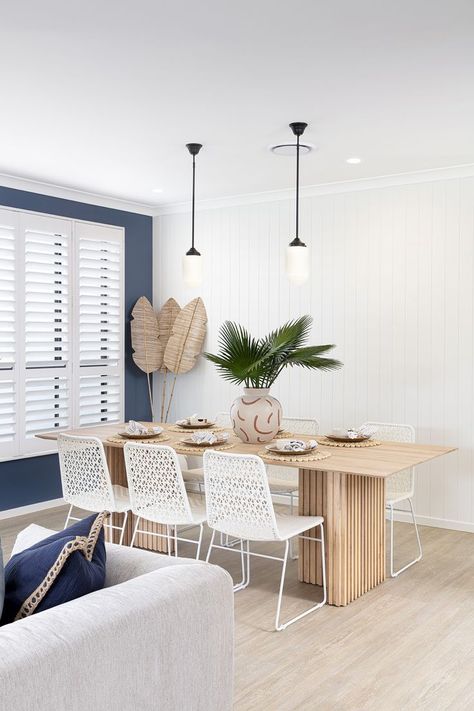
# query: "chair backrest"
[300,425]
[295,425]
[155,483]
[238,498]
[223,419]
[401,483]
[85,475]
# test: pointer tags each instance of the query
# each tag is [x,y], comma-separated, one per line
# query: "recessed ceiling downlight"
[289,149]
[353,160]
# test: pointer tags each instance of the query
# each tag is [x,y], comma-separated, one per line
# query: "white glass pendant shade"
[297,264]
[192,269]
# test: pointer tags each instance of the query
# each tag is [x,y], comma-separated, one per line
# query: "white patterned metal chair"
[239,505]
[158,493]
[399,486]
[86,482]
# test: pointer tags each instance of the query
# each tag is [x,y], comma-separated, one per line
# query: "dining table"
[347,488]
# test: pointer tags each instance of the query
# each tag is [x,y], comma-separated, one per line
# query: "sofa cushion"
[59,568]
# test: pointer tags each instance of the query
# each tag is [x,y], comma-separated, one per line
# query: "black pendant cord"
[298,129]
[194,149]
[297,237]
[194,201]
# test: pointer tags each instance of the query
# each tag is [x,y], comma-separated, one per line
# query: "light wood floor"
[409,644]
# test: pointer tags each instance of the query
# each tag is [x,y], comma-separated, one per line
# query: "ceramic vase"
[256,416]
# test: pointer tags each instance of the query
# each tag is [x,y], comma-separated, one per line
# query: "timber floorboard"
[408,644]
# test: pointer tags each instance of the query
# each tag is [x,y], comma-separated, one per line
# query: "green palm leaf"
[258,362]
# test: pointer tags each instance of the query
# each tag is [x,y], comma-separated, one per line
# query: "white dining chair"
[239,505]
[400,486]
[158,493]
[86,482]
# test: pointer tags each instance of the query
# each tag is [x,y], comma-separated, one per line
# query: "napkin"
[136,428]
[206,437]
[193,420]
[364,431]
[295,445]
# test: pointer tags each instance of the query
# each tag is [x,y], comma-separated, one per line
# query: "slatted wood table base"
[116,462]
[353,508]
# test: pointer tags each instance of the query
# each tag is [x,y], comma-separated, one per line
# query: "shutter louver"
[7,411]
[100,399]
[99,299]
[46,404]
[46,299]
[7,297]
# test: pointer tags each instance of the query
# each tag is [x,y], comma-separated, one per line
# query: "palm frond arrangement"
[257,362]
[169,342]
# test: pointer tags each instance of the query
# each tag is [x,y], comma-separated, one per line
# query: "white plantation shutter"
[7,288]
[7,417]
[46,404]
[100,316]
[100,300]
[100,399]
[46,298]
[61,328]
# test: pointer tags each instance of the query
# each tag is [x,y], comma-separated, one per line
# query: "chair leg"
[396,573]
[68,516]
[198,552]
[122,533]
[210,546]
[132,542]
[278,625]
[293,555]
[175,541]
[245,564]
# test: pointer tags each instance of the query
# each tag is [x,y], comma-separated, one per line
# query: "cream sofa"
[158,636]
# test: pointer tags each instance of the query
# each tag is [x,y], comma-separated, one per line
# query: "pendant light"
[297,253]
[192,260]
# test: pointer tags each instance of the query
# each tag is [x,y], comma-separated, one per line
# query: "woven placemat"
[122,440]
[313,457]
[330,443]
[184,430]
[190,449]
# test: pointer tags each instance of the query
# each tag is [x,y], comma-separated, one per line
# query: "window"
[61,327]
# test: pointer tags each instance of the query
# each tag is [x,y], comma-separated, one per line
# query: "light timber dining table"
[347,489]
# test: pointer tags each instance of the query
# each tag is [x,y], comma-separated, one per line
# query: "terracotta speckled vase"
[256,415]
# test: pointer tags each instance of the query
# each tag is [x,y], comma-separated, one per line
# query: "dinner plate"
[363,438]
[199,426]
[274,450]
[189,440]
[139,436]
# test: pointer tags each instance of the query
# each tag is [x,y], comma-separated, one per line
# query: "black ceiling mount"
[298,127]
[194,148]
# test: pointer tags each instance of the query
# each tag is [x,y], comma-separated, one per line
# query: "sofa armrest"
[162,640]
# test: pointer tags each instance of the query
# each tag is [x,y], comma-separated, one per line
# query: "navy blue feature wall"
[35,479]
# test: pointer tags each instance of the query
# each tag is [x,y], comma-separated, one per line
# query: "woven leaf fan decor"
[166,318]
[186,340]
[147,348]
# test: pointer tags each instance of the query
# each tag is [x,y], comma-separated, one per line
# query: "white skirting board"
[31,508]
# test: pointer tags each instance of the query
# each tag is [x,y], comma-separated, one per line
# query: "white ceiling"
[102,96]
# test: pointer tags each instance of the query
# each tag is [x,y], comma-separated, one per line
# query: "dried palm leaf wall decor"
[147,348]
[185,342]
[166,318]
[169,342]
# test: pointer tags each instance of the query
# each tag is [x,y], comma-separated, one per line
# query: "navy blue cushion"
[2,580]
[62,567]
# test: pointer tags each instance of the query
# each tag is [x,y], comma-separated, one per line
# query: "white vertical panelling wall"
[391,284]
